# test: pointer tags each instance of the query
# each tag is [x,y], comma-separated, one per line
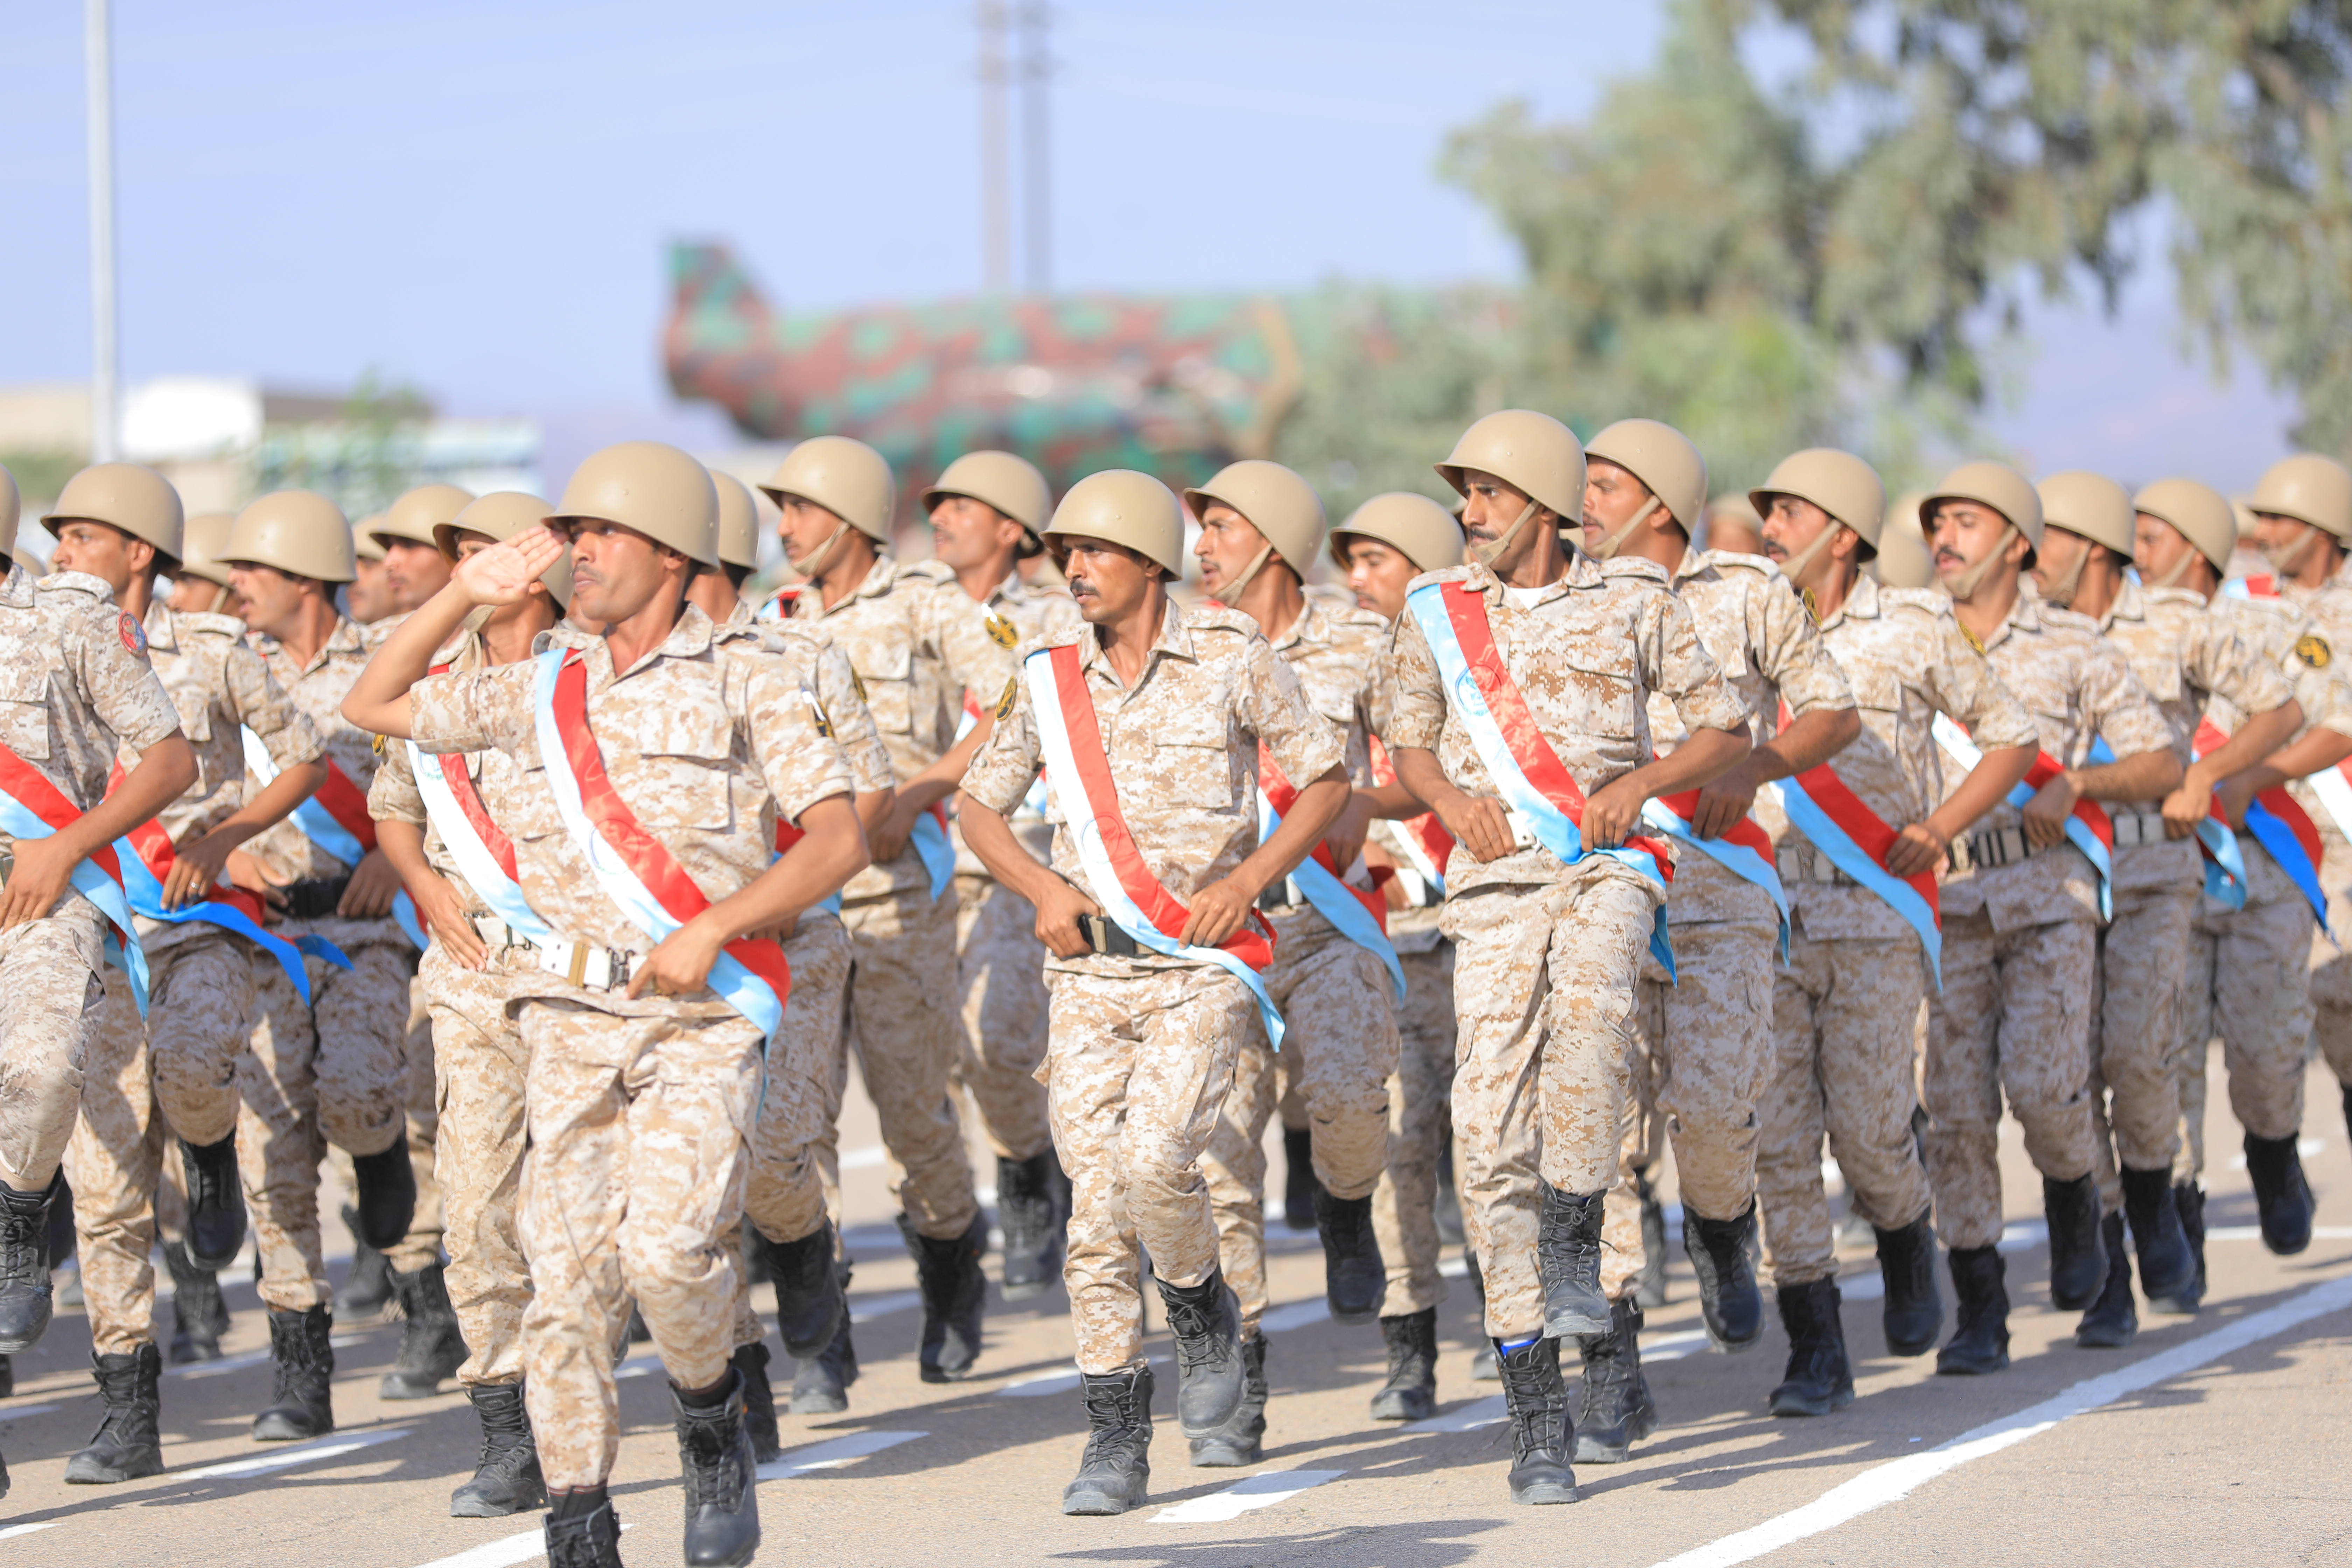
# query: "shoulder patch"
[823,720]
[858,684]
[2310,647]
[375,744]
[134,635]
[1001,631]
[1012,693]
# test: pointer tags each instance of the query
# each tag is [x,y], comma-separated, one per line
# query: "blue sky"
[475,198]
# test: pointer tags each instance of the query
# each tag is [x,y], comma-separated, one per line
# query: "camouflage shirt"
[2288,636]
[392,794]
[1586,654]
[1183,749]
[318,690]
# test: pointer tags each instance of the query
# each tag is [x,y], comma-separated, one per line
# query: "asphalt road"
[2217,1438]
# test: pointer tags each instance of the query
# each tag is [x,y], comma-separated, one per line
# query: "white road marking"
[1053,1382]
[1674,1347]
[1454,1268]
[834,1455]
[19,1412]
[2308,1148]
[528,1547]
[646,1365]
[15,1529]
[2254,1233]
[1257,1491]
[286,1459]
[229,1363]
[864,1309]
[1898,1478]
[865,1159]
[1298,1315]
[2022,1236]
[1478,1413]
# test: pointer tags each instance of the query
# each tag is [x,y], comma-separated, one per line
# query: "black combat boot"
[1481,1359]
[431,1347]
[1447,1209]
[1650,1285]
[1116,1466]
[25,1304]
[2189,1201]
[1819,1378]
[126,1445]
[1913,1315]
[582,1531]
[1728,1301]
[1354,1277]
[387,1194]
[751,1363]
[2166,1267]
[1411,1392]
[367,1289]
[714,1452]
[954,1292]
[1032,1222]
[821,1382]
[2282,1197]
[1298,1182]
[1241,1440]
[810,1306]
[199,1312]
[216,1202]
[1617,1411]
[1542,1431]
[300,1404]
[4,1477]
[2078,1261]
[8,1376]
[1568,1256]
[506,1476]
[1211,1376]
[2112,1322]
[1979,1343]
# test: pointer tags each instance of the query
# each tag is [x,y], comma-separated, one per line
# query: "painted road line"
[287,1459]
[1674,1347]
[834,1455]
[21,1412]
[1478,1413]
[864,1309]
[2022,1236]
[1062,1382]
[1298,1315]
[1258,1491]
[2254,1233]
[646,1365]
[865,1159]
[1454,1268]
[505,1552]
[1898,1478]
[17,1530]
[229,1363]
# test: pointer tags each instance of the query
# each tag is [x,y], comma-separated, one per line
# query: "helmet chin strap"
[220,597]
[1797,566]
[809,565]
[2285,562]
[1489,554]
[1964,586]
[2061,590]
[2172,575]
[1232,592]
[1611,543]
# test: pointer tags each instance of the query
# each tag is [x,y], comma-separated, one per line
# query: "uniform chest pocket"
[678,777]
[1598,689]
[2162,678]
[24,708]
[885,663]
[1878,689]
[1191,766]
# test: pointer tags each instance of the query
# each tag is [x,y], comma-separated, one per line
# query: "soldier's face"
[272,599]
[1377,576]
[1229,542]
[413,573]
[101,550]
[804,527]
[1790,527]
[967,533]
[2054,562]
[2157,545]
[2277,536]
[1612,496]
[1489,507]
[192,595]
[371,593]
[1964,532]
[617,572]
[1108,581]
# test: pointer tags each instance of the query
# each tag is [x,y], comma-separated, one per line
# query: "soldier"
[122,523]
[1549,904]
[1149,724]
[2186,656]
[2244,983]
[643,1023]
[414,567]
[987,513]
[1334,978]
[917,647]
[2023,902]
[370,597]
[1703,1038]
[200,586]
[336,1066]
[1382,546]
[77,689]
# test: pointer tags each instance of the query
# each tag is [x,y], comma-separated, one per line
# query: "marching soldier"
[917,647]
[1551,894]
[670,751]
[369,598]
[2186,656]
[1704,1038]
[2022,905]
[414,567]
[1149,724]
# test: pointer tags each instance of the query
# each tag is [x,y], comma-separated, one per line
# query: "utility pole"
[995,73]
[1036,139]
[105,421]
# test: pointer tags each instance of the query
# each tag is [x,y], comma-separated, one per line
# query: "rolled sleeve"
[472,710]
[110,656]
[1276,711]
[1416,697]
[1792,655]
[1965,689]
[2118,709]
[261,705]
[1006,763]
[800,764]
[1676,665]
[392,794]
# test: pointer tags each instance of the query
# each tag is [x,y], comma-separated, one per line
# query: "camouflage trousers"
[2014,1019]
[907,1041]
[2248,981]
[112,1163]
[1420,1124]
[632,1188]
[800,1097]
[352,1039]
[49,992]
[479,1070]
[1544,982]
[1340,1033]
[2331,966]
[1845,1066]
[1137,1068]
[278,1143]
[196,1040]
[2135,1036]
[421,1108]
[1000,975]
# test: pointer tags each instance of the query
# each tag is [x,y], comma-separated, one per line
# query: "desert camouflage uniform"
[640,1111]
[2185,654]
[2331,971]
[1338,1003]
[112,1162]
[1844,1012]
[1420,1119]
[1142,1049]
[2021,942]
[918,645]
[1549,958]
[75,688]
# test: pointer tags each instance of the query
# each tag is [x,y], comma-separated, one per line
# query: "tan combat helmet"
[739,522]
[1121,506]
[1904,558]
[202,540]
[2092,505]
[418,512]
[1533,453]
[136,500]
[1407,521]
[363,541]
[11,508]
[2309,489]
[1992,484]
[1844,487]
[1005,480]
[500,515]
[652,488]
[1283,508]
[299,532]
[2198,512]
[1664,460]
[848,479]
